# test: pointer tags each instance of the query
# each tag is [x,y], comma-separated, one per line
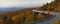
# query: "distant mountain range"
[9,9]
[4,9]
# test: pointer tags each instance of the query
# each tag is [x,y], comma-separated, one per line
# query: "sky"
[23,3]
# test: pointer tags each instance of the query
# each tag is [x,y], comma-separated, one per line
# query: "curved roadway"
[49,21]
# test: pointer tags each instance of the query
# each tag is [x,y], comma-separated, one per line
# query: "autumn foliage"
[26,15]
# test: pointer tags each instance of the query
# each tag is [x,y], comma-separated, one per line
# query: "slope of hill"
[53,6]
[15,15]
[26,15]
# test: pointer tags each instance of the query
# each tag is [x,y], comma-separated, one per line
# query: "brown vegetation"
[26,15]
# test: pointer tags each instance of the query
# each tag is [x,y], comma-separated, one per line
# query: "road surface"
[54,20]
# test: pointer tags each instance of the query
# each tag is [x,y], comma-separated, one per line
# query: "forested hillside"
[14,16]
[26,15]
[53,6]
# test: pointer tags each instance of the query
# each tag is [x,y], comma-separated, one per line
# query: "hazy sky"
[5,3]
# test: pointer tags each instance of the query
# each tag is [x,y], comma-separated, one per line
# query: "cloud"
[18,4]
[5,3]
